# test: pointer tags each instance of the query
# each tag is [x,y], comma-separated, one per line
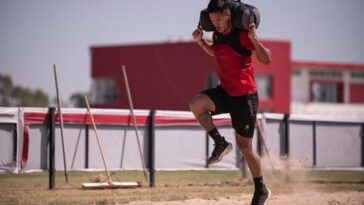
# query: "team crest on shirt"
[215,37]
[246,127]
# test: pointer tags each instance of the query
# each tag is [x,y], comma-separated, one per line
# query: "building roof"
[327,65]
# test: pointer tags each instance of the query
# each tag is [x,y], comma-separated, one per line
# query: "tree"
[78,100]
[17,96]
[6,85]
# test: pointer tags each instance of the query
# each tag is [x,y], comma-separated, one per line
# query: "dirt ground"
[288,186]
[305,198]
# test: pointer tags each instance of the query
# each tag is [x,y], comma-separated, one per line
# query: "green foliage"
[78,100]
[17,96]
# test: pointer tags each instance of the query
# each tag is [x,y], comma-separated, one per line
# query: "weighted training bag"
[242,15]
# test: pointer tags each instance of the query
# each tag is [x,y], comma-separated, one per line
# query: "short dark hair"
[218,5]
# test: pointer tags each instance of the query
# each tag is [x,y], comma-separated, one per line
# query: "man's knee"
[245,146]
[197,103]
[245,150]
[193,103]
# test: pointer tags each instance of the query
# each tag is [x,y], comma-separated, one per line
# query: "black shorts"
[242,109]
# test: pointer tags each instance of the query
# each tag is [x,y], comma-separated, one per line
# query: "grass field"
[32,188]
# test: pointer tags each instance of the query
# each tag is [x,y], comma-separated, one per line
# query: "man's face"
[221,21]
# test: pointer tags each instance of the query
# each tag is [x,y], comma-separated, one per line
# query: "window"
[264,86]
[326,74]
[104,90]
[357,75]
[326,91]
[296,71]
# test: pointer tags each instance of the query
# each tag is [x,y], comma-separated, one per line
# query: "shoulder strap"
[233,40]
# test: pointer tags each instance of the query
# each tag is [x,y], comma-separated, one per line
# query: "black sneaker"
[219,152]
[261,197]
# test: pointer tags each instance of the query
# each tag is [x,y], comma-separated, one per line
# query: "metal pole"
[314,143]
[362,145]
[207,148]
[286,134]
[15,142]
[51,127]
[151,149]
[244,172]
[286,146]
[259,141]
[87,147]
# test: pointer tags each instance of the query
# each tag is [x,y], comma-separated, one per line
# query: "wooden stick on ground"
[109,183]
[262,140]
[98,142]
[61,120]
[134,120]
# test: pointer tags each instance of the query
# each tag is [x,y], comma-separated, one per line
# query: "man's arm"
[262,53]
[206,46]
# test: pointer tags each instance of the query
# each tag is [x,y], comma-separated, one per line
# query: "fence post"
[244,172]
[87,145]
[285,137]
[51,128]
[207,149]
[151,147]
[259,143]
[362,145]
[314,143]
[15,142]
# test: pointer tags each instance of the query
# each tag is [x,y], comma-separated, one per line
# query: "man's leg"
[201,105]
[246,149]
[261,194]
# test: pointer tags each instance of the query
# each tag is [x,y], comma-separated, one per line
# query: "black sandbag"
[242,16]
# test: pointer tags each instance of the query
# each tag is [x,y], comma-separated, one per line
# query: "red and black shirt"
[235,67]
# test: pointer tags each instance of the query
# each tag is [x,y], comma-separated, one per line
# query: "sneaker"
[219,152]
[261,197]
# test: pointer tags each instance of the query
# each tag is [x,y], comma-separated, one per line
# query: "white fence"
[179,142]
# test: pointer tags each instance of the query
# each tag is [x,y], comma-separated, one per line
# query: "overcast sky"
[35,34]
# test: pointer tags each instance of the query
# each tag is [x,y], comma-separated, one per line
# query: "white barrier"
[180,143]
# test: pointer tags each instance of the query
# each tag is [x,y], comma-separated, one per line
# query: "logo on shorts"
[246,127]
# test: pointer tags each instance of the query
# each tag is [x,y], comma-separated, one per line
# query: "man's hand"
[252,32]
[197,35]
[262,53]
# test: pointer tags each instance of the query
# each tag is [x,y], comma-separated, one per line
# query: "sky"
[36,34]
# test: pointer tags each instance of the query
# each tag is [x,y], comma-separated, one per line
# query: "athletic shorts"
[242,109]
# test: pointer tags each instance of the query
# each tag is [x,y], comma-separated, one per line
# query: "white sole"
[269,195]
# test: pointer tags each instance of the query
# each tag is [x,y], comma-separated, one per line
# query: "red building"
[327,82]
[165,76]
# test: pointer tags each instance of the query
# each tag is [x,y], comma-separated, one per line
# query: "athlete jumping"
[237,93]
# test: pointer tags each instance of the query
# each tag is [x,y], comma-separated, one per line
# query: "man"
[237,92]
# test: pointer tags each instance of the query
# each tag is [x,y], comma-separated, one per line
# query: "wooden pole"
[98,141]
[261,139]
[133,116]
[61,121]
